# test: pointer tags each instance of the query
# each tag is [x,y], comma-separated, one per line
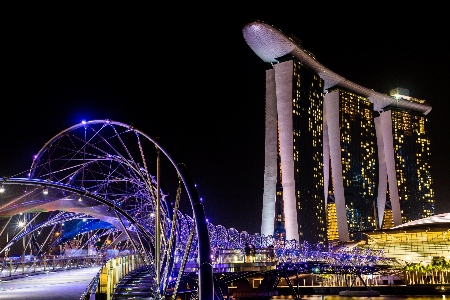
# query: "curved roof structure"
[270,44]
[441,220]
[418,240]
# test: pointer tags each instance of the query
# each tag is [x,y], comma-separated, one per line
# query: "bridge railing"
[29,265]
[230,256]
[104,283]
[224,256]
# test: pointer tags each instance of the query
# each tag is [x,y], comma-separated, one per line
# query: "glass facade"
[307,116]
[356,154]
[332,226]
[353,183]
[279,229]
[388,219]
[359,160]
[412,165]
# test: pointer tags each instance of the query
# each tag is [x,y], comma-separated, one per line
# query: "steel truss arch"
[101,169]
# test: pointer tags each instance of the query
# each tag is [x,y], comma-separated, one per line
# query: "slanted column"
[331,111]
[270,160]
[283,80]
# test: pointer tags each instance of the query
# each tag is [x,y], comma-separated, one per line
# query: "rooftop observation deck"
[271,44]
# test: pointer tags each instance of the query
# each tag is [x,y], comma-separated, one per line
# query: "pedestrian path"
[135,285]
[58,285]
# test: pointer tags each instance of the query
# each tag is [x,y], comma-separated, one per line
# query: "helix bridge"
[103,185]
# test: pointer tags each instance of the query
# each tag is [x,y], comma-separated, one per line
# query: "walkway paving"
[60,285]
[135,285]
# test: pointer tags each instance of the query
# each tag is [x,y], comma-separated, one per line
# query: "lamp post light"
[7,249]
[21,225]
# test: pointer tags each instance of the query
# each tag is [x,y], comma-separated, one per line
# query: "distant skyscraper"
[336,154]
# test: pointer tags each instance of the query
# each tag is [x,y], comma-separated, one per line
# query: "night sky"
[189,78]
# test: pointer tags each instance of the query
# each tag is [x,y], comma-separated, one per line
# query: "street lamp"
[21,224]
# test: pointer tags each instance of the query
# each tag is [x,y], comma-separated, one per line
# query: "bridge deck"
[233,267]
[62,285]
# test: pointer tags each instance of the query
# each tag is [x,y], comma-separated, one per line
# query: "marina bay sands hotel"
[339,158]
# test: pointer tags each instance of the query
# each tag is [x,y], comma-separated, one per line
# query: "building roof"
[441,220]
[415,241]
[270,44]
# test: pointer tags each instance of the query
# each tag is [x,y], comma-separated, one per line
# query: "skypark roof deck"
[270,44]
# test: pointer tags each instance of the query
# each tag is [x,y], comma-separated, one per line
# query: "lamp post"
[7,249]
[21,225]
[157,225]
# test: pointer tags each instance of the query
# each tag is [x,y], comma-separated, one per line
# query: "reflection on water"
[381,297]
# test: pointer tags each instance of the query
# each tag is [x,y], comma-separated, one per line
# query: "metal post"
[23,239]
[102,289]
[7,241]
[205,270]
[157,221]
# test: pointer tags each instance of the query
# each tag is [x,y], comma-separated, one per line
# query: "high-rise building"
[350,161]
[336,154]
[294,128]
[404,146]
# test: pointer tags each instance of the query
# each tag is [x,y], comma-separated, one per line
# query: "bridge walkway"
[61,284]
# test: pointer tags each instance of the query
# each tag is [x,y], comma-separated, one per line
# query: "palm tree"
[446,269]
[414,270]
[420,271]
[438,264]
[406,272]
[409,268]
[429,270]
[442,265]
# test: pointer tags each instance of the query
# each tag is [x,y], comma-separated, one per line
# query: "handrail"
[91,288]
[10,267]
[102,286]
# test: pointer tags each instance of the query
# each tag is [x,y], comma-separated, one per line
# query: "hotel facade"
[339,158]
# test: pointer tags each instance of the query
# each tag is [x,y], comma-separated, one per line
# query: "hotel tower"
[339,158]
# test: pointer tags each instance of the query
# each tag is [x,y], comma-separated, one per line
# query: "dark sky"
[188,77]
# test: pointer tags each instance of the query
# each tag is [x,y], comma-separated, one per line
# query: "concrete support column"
[388,142]
[331,109]
[382,172]
[283,80]
[270,160]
